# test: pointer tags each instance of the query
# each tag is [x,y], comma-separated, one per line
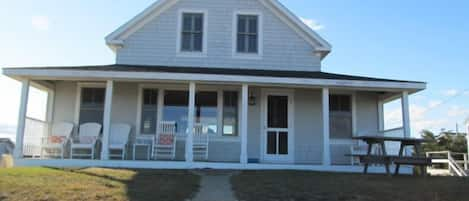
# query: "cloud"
[434,103]
[457,111]
[313,24]
[451,92]
[40,23]
[419,119]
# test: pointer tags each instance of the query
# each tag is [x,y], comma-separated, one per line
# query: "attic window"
[192,32]
[247,35]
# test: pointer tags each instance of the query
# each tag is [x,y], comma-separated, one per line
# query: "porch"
[250,125]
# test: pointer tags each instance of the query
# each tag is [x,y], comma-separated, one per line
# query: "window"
[216,111]
[92,105]
[149,111]
[230,113]
[340,113]
[247,34]
[277,115]
[192,32]
[206,111]
[176,109]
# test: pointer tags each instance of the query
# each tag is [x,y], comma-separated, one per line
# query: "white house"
[239,81]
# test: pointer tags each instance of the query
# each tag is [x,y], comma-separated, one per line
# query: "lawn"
[46,184]
[302,186]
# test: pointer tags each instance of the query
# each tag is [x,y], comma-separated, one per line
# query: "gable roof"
[116,38]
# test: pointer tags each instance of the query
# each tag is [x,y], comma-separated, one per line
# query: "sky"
[400,39]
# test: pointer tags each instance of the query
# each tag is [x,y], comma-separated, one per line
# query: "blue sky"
[411,40]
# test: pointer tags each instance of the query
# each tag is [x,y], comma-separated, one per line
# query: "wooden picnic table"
[399,160]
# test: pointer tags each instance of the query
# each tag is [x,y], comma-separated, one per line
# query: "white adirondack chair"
[200,143]
[54,145]
[164,146]
[88,135]
[118,139]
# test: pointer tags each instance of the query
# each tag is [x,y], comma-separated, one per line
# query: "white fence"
[455,164]
[34,131]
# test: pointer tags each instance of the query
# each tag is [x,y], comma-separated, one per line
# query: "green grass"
[46,184]
[302,186]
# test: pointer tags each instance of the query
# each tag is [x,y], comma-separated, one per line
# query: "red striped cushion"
[56,139]
[166,139]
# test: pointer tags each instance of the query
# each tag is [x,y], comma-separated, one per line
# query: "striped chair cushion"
[165,139]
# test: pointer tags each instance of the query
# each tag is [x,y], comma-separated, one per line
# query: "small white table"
[144,141]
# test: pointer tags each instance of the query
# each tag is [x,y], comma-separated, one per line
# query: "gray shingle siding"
[155,43]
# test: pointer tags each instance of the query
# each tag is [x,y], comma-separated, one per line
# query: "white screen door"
[277,135]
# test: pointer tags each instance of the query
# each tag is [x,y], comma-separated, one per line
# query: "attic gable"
[116,39]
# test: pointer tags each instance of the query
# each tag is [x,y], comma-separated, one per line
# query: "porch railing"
[450,163]
[34,131]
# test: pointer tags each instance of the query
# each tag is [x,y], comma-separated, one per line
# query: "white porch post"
[18,152]
[381,115]
[244,124]
[405,113]
[50,110]
[107,119]
[326,155]
[50,105]
[190,123]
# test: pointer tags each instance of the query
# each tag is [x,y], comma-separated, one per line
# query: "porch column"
[244,124]
[50,105]
[381,115]
[107,119]
[18,152]
[50,110]
[326,153]
[405,113]
[190,123]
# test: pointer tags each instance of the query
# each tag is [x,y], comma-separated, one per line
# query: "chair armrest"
[44,140]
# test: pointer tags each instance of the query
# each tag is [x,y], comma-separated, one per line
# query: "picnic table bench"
[398,160]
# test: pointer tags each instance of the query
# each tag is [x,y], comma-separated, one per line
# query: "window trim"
[260,35]
[179,51]
[80,86]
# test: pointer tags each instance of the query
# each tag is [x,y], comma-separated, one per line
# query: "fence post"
[465,161]
[449,165]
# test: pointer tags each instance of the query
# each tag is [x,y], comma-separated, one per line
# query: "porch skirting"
[199,165]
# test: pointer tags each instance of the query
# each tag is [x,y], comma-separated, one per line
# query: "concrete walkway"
[215,186]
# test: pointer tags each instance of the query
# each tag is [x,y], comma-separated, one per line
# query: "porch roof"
[119,71]
[217,71]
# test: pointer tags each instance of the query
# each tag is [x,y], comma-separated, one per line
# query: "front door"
[277,139]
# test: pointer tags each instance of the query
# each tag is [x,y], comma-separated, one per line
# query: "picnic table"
[400,159]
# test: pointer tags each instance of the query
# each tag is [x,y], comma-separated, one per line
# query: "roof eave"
[75,74]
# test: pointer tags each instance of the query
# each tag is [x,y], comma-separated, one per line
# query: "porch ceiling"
[224,75]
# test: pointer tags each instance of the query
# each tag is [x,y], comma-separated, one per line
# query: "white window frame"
[260,39]
[162,88]
[80,86]
[353,97]
[181,53]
